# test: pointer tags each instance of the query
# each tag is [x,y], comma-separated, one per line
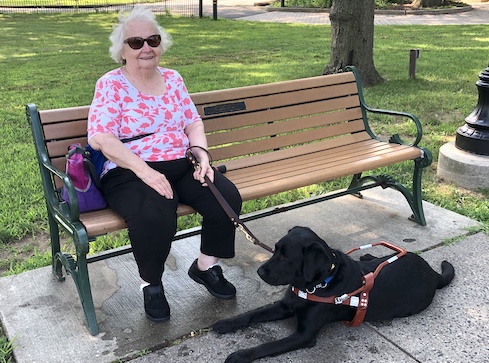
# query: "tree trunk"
[352,39]
[417,4]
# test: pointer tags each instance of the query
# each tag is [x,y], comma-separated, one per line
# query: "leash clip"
[247,235]
[339,300]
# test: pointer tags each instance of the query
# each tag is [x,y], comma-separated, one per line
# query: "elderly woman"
[147,175]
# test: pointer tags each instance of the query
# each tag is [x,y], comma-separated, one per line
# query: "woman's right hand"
[157,181]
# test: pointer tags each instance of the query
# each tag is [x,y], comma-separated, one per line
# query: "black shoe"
[213,280]
[155,304]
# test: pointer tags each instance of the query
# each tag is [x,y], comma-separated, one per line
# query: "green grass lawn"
[53,60]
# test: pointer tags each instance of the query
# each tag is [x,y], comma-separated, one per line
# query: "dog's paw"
[241,356]
[225,326]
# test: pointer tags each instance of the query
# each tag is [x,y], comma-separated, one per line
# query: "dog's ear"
[315,262]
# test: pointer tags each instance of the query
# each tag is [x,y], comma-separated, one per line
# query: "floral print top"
[119,108]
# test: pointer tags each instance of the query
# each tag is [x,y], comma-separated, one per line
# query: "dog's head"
[301,259]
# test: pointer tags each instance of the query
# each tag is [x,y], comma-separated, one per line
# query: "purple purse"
[81,170]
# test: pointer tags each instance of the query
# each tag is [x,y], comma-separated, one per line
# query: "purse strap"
[129,139]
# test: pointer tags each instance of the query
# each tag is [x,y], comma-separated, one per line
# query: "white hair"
[141,13]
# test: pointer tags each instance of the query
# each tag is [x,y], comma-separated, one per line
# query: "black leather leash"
[238,223]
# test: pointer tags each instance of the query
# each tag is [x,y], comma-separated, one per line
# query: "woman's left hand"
[198,143]
[204,168]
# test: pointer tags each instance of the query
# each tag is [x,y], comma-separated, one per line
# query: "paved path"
[478,15]
[249,10]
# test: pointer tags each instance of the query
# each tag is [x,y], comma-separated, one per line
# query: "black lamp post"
[474,135]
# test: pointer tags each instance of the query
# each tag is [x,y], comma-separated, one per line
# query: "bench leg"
[386,181]
[415,199]
[85,293]
[55,247]
[79,271]
[356,185]
[417,203]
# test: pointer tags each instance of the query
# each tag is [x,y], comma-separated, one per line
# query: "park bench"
[271,138]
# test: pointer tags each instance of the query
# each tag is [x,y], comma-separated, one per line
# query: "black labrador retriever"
[304,261]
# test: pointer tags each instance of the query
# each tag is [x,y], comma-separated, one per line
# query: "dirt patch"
[17,252]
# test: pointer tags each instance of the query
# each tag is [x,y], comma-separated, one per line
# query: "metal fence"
[189,8]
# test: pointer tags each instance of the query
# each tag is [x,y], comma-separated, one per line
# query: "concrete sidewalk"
[45,320]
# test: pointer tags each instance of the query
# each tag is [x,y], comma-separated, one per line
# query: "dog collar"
[321,285]
[330,275]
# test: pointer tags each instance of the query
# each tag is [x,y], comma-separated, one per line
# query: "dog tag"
[302,294]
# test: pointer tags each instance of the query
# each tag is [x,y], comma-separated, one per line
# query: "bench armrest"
[71,210]
[396,138]
[68,213]
[365,108]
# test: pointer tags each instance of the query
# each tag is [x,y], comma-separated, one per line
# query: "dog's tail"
[446,276]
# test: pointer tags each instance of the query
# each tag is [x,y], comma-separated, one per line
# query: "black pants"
[152,219]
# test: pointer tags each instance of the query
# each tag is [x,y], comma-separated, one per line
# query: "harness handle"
[400,252]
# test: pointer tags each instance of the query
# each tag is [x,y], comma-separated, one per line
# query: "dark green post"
[474,135]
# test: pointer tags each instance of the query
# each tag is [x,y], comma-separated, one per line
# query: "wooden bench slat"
[344,154]
[290,152]
[63,114]
[305,97]
[104,221]
[59,162]
[320,155]
[100,222]
[320,173]
[273,101]
[231,94]
[282,141]
[60,148]
[285,126]
[248,119]
[325,158]
[64,130]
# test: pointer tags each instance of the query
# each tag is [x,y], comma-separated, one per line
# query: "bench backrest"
[271,118]
[252,120]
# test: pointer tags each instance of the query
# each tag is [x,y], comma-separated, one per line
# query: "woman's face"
[146,57]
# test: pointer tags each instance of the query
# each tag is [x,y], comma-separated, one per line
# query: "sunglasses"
[138,42]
